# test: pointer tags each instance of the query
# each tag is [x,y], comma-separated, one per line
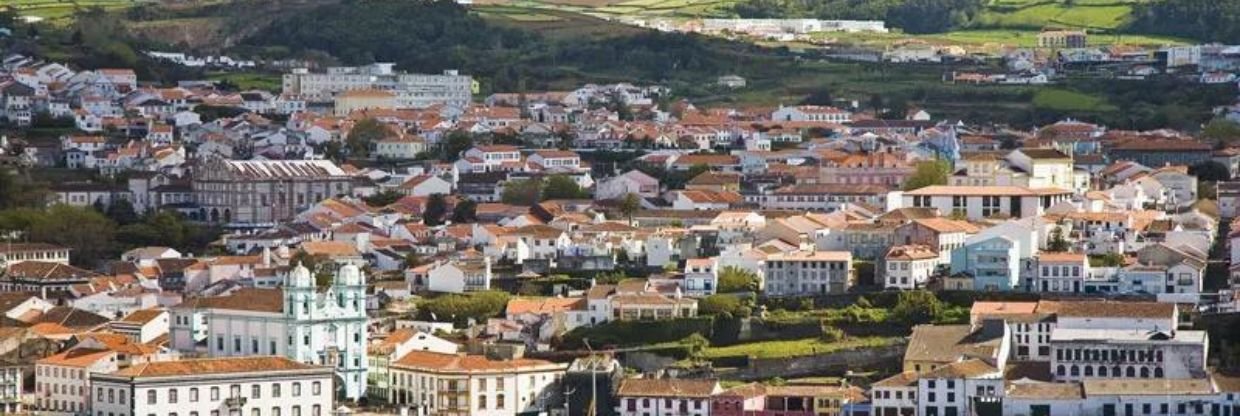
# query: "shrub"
[831,334]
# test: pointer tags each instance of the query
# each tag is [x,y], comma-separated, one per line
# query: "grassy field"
[249,80]
[60,10]
[1064,100]
[793,348]
[989,39]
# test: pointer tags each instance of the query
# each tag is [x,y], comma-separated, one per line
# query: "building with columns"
[299,321]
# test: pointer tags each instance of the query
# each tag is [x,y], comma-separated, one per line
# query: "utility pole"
[568,394]
[593,378]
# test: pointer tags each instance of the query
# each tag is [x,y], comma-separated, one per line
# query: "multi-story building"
[254,386]
[410,90]
[909,267]
[12,388]
[256,192]
[430,383]
[62,381]
[755,399]
[651,396]
[931,347]
[811,113]
[1060,272]
[981,202]
[883,169]
[808,273]
[1047,168]
[298,322]
[17,252]
[1128,353]
[383,353]
[969,387]
[701,276]
[824,197]
[988,262]
[1062,39]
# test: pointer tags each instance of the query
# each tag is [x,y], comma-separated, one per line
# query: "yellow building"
[348,101]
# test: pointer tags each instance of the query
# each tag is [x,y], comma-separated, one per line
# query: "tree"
[456,143]
[1222,130]
[1111,259]
[916,307]
[733,279]
[522,192]
[319,265]
[1057,241]
[465,211]
[412,260]
[121,211]
[629,206]
[383,199]
[436,209]
[719,304]
[87,232]
[476,306]
[1210,171]
[364,134]
[928,172]
[562,187]
[818,97]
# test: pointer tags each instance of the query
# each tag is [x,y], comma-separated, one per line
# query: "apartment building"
[253,386]
[410,90]
[808,273]
[62,381]
[431,383]
[651,396]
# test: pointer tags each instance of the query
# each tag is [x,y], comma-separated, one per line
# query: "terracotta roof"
[207,366]
[664,387]
[812,256]
[903,379]
[143,316]
[1035,153]
[945,190]
[47,271]
[1061,257]
[1163,145]
[120,343]
[245,299]
[330,248]
[715,178]
[366,94]
[911,252]
[950,343]
[1048,391]
[1115,309]
[1147,387]
[708,160]
[947,225]
[465,363]
[28,247]
[80,357]
[964,369]
[542,306]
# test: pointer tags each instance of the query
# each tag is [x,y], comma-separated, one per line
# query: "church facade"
[321,326]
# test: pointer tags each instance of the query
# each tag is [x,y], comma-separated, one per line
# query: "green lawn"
[249,80]
[1064,100]
[793,348]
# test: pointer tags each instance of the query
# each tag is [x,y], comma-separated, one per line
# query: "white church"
[298,321]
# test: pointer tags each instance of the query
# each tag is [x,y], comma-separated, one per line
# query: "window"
[234,390]
[172,395]
[275,389]
[275,411]
[316,410]
[215,393]
[482,384]
[296,391]
[150,396]
[296,411]
[315,388]
[193,394]
[499,401]
[482,402]
[255,412]
[256,391]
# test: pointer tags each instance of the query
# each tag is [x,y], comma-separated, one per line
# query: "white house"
[206,387]
[631,182]
[811,113]
[701,276]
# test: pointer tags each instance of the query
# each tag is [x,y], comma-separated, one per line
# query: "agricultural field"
[59,10]
[249,80]
[793,348]
[1064,100]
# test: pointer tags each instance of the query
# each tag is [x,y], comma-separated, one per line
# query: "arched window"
[1059,370]
[1089,371]
[1158,372]
[1130,372]
[1075,370]
[1145,372]
[1102,371]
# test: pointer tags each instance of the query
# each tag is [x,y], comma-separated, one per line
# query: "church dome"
[300,277]
[349,275]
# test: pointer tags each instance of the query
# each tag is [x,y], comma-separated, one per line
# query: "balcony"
[234,402]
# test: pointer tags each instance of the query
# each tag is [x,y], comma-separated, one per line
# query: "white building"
[811,113]
[701,276]
[909,267]
[411,90]
[981,202]
[427,382]
[808,273]
[298,322]
[650,396]
[62,381]
[254,386]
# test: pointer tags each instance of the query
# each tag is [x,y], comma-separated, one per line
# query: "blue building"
[993,262]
